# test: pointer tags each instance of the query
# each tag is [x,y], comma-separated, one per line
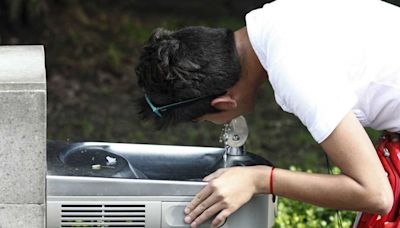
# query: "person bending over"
[334,64]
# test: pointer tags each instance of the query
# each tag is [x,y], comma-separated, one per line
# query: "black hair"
[183,64]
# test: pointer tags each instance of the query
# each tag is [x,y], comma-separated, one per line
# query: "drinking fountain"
[101,184]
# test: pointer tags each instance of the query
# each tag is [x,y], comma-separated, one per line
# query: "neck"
[252,73]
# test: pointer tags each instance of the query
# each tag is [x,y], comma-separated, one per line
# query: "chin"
[224,121]
[219,118]
[219,122]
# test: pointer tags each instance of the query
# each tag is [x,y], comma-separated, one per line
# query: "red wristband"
[271,183]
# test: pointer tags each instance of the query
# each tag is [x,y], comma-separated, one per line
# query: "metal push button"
[173,216]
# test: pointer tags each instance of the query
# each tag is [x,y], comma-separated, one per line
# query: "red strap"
[271,183]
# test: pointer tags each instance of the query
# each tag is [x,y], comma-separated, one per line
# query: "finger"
[214,209]
[198,198]
[203,206]
[220,218]
[214,175]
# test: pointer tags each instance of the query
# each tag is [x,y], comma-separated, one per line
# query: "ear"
[225,102]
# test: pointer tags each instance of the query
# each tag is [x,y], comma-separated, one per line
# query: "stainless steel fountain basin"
[148,185]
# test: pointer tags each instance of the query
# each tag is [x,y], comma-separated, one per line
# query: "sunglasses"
[165,108]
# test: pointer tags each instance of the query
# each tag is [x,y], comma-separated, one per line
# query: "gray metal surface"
[139,161]
[160,212]
[97,186]
[114,201]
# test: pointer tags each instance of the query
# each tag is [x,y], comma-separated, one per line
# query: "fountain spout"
[234,135]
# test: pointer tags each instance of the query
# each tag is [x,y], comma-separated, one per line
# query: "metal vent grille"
[103,215]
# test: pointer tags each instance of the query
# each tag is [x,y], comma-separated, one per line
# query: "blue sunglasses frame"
[168,107]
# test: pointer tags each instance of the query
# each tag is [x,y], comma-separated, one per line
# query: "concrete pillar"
[22,136]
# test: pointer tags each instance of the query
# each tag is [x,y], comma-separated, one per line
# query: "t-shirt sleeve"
[302,50]
[310,81]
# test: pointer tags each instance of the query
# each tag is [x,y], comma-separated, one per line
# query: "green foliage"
[297,214]
[114,56]
[373,134]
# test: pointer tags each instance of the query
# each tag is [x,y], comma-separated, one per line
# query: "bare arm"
[362,186]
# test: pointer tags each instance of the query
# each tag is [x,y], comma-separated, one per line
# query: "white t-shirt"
[325,58]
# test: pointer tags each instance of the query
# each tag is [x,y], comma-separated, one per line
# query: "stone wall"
[22,136]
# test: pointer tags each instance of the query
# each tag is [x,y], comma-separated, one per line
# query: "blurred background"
[92,47]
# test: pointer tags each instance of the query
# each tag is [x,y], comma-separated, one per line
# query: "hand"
[227,190]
